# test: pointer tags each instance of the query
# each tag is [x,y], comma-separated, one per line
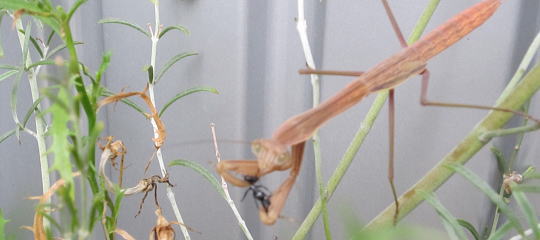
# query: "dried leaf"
[37,228]
[124,234]
[161,133]
[163,229]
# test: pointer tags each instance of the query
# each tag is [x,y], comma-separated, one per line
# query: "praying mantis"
[273,154]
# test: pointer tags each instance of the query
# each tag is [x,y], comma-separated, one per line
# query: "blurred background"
[250,52]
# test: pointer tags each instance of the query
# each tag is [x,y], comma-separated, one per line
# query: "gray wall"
[250,52]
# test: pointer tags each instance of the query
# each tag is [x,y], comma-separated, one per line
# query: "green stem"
[361,134]
[469,146]
[503,132]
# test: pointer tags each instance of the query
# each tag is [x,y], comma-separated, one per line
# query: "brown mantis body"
[273,154]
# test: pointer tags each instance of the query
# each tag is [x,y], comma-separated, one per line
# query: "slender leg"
[391,115]
[330,72]
[425,102]
[391,141]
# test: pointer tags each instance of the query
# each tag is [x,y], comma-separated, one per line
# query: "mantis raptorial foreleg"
[273,154]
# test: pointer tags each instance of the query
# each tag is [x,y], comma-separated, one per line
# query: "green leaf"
[31,8]
[25,51]
[11,67]
[185,93]
[128,102]
[7,74]
[60,145]
[6,135]
[36,46]
[501,162]
[445,215]
[528,210]
[123,22]
[470,227]
[60,48]
[150,70]
[31,110]
[42,62]
[172,61]
[74,8]
[175,27]
[201,170]
[526,188]
[490,193]
[501,231]
[3,222]
[2,13]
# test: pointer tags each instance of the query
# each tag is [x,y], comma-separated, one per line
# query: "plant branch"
[301,27]
[159,156]
[241,221]
[40,122]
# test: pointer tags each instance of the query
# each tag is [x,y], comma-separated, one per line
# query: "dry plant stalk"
[37,227]
[162,134]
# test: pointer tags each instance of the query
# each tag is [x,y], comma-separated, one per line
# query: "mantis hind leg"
[425,102]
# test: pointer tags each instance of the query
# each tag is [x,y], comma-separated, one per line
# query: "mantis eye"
[255,148]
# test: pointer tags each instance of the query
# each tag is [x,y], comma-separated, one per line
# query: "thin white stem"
[241,221]
[40,123]
[301,27]
[159,156]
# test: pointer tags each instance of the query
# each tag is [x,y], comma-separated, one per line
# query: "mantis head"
[271,156]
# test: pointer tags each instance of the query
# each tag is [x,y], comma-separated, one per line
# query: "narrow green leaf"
[526,188]
[33,10]
[13,102]
[501,231]
[501,162]
[2,13]
[31,110]
[74,8]
[105,60]
[36,46]
[446,216]
[123,22]
[185,93]
[6,135]
[201,170]
[172,61]
[7,74]
[49,38]
[490,193]
[470,228]
[528,210]
[175,27]
[150,70]
[60,48]
[107,93]
[11,67]
[25,53]
[42,62]
[448,227]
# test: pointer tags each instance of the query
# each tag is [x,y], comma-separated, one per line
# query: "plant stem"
[301,27]
[40,123]
[361,134]
[241,221]
[159,156]
[469,146]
